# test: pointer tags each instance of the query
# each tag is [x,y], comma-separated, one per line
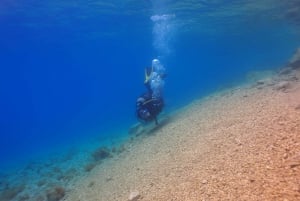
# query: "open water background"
[71,70]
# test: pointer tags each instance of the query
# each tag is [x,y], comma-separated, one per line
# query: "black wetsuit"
[147,107]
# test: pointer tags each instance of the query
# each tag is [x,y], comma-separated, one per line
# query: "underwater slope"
[239,144]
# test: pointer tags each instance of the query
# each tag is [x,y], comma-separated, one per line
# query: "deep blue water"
[72,70]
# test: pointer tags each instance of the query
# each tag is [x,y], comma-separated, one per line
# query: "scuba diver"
[151,103]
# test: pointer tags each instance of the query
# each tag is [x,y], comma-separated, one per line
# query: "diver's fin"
[148,72]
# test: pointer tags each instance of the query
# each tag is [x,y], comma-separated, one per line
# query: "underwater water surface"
[71,70]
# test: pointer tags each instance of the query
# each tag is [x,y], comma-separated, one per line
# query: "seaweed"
[11,192]
[91,184]
[119,149]
[3,184]
[41,182]
[55,194]
[101,154]
[24,197]
[56,170]
[39,198]
[90,166]
[68,175]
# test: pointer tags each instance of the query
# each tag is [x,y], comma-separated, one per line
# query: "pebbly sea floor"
[51,177]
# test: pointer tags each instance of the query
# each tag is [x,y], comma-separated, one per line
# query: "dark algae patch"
[55,194]
[98,156]
[88,167]
[24,197]
[101,154]
[11,192]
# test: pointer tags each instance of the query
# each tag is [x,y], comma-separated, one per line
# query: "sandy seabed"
[239,144]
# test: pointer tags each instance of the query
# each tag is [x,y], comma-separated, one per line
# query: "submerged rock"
[260,82]
[134,196]
[259,77]
[283,85]
[204,181]
[285,71]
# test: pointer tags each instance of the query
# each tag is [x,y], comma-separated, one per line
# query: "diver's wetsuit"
[148,108]
[150,104]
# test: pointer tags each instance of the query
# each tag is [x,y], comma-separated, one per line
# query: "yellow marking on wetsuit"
[148,101]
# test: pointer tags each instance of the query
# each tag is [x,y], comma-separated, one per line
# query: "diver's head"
[155,62]
[140,100]
[158,67]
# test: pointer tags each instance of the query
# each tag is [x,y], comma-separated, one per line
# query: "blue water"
[72,70]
